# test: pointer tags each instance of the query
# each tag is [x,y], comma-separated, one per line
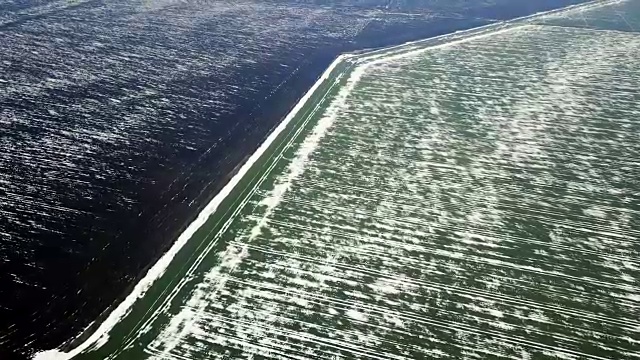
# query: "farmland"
[475,197]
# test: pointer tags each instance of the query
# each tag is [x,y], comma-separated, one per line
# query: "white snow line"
[101,335]
[583,7]
[298,164]
[379,59]
[265,174]
[184,323]
[489,29]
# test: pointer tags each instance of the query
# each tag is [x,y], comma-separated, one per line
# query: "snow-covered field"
[476,199]
[121,119]
[469,200]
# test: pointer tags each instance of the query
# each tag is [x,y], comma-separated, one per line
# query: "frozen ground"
[469,200]
[120,119]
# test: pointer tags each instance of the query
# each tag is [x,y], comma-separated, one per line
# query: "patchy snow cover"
[397,230]
[471,199]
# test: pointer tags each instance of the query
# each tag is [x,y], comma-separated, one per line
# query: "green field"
[472,196]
